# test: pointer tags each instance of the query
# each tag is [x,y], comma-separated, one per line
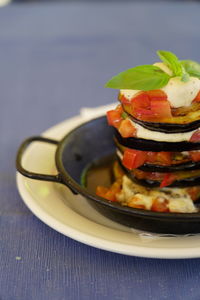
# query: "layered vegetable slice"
[152,110]
[160,179]
[156,146]
[158,161]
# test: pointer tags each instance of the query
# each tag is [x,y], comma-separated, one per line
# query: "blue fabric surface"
[54,59]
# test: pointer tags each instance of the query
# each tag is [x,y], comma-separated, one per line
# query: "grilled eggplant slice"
[155,146]
[152,167]
[167,127]
[186,182]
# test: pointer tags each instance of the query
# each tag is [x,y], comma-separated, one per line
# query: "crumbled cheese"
[178,200]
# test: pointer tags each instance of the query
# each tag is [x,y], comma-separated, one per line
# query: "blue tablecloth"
[54,59]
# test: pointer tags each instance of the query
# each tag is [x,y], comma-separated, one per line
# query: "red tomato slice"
[143,113]
[196,136]
[195,155]
[132,159]
[141,100]
[168,179]
[164,157]
[114,118]
[161,108]
[151,156]
[126,129]
[157,95]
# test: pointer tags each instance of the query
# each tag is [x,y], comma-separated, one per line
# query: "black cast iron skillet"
[90,142]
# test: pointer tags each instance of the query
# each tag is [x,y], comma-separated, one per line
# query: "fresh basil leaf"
[145,77]
[185,76]
[171,60]
[192,67]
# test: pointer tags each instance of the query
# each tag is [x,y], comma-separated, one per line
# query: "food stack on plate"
[157,136]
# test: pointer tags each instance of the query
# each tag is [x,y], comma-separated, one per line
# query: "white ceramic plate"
[72,216]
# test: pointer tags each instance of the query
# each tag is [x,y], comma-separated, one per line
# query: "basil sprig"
[149,77]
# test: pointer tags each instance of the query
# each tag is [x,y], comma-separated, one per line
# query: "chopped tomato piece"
[132,159]
[141,100]
[157,95]
[144,113]
[197,98]
[195,155]
[109,193]
[160,205]
[168,179]
[164,157]
[196,136]
[151,156]
[114,118]
[161,108]
[126,129]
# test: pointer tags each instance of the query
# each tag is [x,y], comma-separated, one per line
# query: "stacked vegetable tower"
[157,136]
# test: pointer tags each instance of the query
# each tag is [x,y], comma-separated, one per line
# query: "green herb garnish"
[149,77]
[192,67]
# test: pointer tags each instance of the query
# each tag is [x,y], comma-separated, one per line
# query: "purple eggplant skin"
[166,127]
[187,166]
[155,146]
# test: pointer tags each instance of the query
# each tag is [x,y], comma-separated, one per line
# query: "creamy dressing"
[178,93]
[147,134]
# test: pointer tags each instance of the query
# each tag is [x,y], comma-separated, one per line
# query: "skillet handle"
[33,175]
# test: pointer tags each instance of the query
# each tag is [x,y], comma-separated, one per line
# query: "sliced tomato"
[164,157]
[145,114]
[195,155]
[151,156]
[126,129]
[141,100]
[168,179]
[132,159]
[156,95]
[161,108]
[114,118]
[160,205]
[197,98]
